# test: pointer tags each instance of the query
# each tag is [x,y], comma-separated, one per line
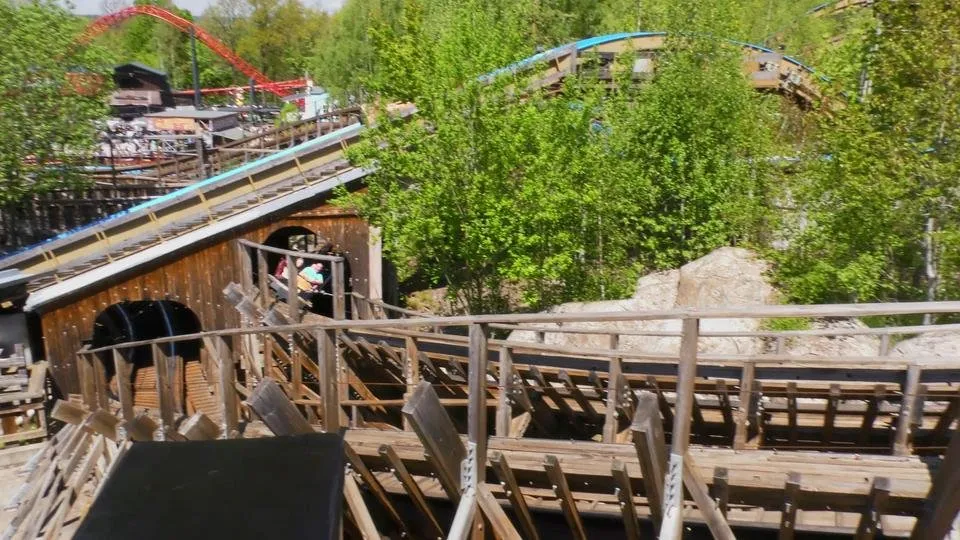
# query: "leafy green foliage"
[878,196]
[48,116]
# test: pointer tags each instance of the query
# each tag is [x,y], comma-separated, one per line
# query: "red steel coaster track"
[105,22]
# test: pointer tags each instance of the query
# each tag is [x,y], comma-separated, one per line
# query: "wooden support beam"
[338,277]
[716,521]
[504,391]
[293,298]
[512,489]
[648,441]
[870,416]
[720,490]
[625,496]
[665,410]
[329,392]
[411,371]
[565,496]
[67,412]
[263,283]
[413,490]
[124,378]
[744,409]
[876,502]
[375,487]
[578,396]
[227,377]
[950,413]
[610,421]
[85,373]
[943,500]
[438,435]
[551,392]
[792,412]
[908,406]
[672,527]
[477,407]
[358,508]
[165,368]
[723,398]
[788,517]
[833,403]
[503,528]
[276,410]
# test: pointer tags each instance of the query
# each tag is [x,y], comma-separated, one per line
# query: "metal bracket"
[468,468]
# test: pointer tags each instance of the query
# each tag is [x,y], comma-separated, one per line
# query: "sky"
[94,7]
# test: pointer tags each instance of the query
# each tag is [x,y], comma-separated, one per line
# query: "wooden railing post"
[747,378]
[85,373]
[228,392]
[246,267]
[293,298]
[165,368]
[329,393]
[411,372]
[124,372]
[504,387]
[673,485]
[908,406]
[339,290]
[263,273]
[477,404]
[610,422]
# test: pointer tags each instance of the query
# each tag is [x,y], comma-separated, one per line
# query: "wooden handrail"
[290,252]
[829,310]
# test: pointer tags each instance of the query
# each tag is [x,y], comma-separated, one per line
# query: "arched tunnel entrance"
[296,238]
[150,319]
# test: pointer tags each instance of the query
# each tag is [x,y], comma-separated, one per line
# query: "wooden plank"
[102,422]
[413,490]
[788,516]
[569,505]
[329,392]
[502,527]
[950,413]
[876,502]
[199,428]
[358,508]
[504,390]
[716,521]
[551,392]
[625,496]
[512,489]
[339,287]
[375,487]
[833,402]
[665,410]
[276,410]
[908,404]
[262,284]
[124,374]
[437,434]
[477,408]
[648,441]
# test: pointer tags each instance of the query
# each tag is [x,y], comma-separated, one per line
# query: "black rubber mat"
[273,487]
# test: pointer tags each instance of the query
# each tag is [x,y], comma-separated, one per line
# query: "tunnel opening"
[296,238]
[140,320]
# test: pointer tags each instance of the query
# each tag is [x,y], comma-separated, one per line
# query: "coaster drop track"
[108,21]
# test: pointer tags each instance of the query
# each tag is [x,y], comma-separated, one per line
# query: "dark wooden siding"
[196,280]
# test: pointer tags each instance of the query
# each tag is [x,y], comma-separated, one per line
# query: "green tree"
[879,197]
[51,99]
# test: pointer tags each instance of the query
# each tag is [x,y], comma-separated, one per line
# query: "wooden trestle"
[448,433]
